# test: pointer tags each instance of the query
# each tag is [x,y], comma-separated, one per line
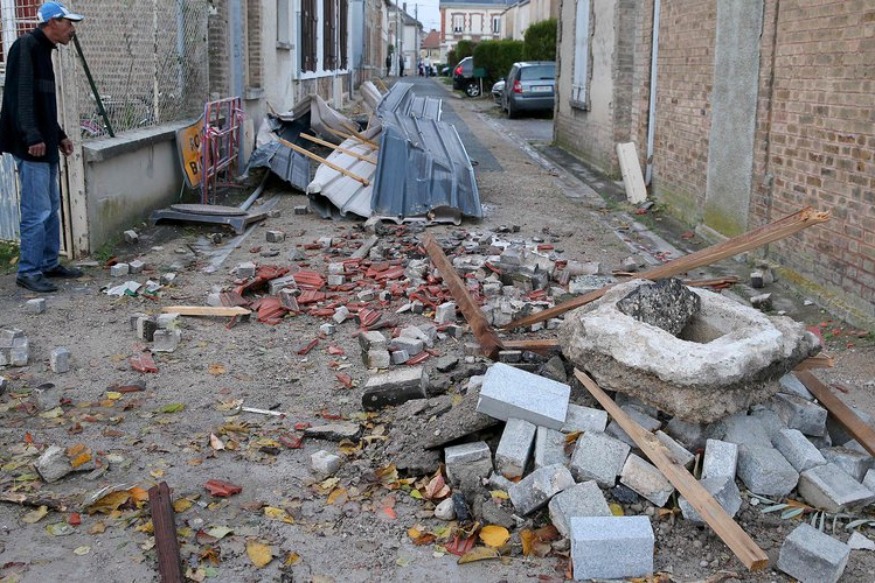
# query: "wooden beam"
[355,135]
[486,336]
[822,360]
[708,508]
[764,235]
[321,160]
[206,310]
[355,155]
[539,345]
[860,431]
[169,567]
[34,501]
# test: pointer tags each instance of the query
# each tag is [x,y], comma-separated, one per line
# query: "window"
[309,34]
[283,38]
[343,33]
[329,35]
[496,24]
[580,76]
[458,22]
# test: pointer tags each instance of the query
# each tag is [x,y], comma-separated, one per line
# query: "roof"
[432,40]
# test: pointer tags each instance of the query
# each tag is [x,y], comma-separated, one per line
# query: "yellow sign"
[188,141]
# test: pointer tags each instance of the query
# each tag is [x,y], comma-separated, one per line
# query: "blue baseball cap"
[54,10]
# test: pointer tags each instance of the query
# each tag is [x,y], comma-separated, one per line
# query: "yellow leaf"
[275,513]
[478,554]
[35,515]
[494,536]
[157,473]
[501,494]
[338,495]
[528,538]
[110,502]
[81,551]
[616,509]
[182,505]
[81,459]
[146,527]
[292,559]
[52,414]
[414,532]
[113,395]
[97,528]
[260,554]
[76,449]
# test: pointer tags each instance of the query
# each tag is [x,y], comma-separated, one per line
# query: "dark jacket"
[30,108]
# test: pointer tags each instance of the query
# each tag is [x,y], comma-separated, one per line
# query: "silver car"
[529,86]
[497,91]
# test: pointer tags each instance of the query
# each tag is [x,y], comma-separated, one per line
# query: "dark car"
[464,79]
[529,86]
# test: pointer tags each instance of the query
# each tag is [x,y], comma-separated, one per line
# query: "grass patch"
[8,257]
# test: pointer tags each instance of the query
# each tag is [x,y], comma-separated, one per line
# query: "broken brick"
[222,489]
[143,362]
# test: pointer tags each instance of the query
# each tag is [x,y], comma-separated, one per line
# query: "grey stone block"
[165,321]
[811,556]
[327,329]
[838,433]
[146,327]
[445,313]
[509,392]
[59,360]
[340,314]
[515,448]
[793,386]
[723,489]
[611,547]
[399,356]
[19,354]
[690,435]
[800,452]
[412,346]
[136,266]
[584,419]
[4,384]
[771,421]
[275,236]
[377,358]
[549,448]
[275,286]
[536,489]
[645,421]
[499,482]
[765,471]
[801,414]
[467,462]
[324,464]
[676,450]
[742,429]
[166,340]
[643,477]
[119,270]
[584,499]
[372,340]
[831,488]
[868,480]
[395,387]
[245,270]
[721,459]
[35,306]
[339,431]
[598,457]
[852,461]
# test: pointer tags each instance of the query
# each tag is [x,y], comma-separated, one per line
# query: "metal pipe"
[254,196]
[651,113]
[100,109]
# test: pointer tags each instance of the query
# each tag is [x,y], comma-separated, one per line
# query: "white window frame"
[283,28]
[496,24]
[458,18]
[580,74]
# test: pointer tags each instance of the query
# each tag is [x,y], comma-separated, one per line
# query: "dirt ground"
[361,525]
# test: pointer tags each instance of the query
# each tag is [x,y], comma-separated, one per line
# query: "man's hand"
[37,150]
[66,146]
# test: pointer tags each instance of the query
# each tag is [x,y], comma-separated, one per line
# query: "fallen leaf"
[210,554]
[171,408]
[478,554]
[113,395]
[181,505]
[221,488]
[292,558]
[110,503]
[139,496]
[437,488]
[219,532]
[60,529]
[494,536]
[74,519]
[460,545]
[97,528]
[259,553]
[616,509]
[275,513]
[338,496]
[390,512]
[83,550]
[35,516]
[500,494]
[216,443]
[419,537]
[528,539]
[216,369]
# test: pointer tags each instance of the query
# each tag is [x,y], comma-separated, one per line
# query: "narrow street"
[302,379]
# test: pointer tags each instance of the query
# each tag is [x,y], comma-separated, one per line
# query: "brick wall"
[640,96]
[220,52]
[821,142]
[254,46]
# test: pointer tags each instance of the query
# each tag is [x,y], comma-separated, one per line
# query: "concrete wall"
[126,178]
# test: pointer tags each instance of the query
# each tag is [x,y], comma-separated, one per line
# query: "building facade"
[472,21]
[742,112]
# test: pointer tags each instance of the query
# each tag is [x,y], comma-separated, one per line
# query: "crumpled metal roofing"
[289,165]
[423,169]
[400,99]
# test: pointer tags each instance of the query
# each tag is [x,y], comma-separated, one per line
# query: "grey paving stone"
[800,452]
[721,459]
[645,479]
[799,413]
[395,387]
[645,421]
[854,462]
[690,435]
[584,419]
[611,547]
[598,457]
[549,448]
[811,556]
[831,488]
[469,460]
[535,490]
[584,499]
[723,489]
[790,384]
[765,471]
[515,448]
[678,453]
[509,392]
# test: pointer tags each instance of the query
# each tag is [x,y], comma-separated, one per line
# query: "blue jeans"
[40,218]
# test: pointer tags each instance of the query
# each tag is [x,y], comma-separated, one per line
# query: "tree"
[497,57]
[540,41]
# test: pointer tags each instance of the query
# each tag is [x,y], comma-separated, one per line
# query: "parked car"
[498,90]
[463,78]
[529,86]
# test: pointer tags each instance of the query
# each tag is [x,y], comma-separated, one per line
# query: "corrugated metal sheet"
[9,197]
[423,166]
[400,99]
[292,167]
[345,193]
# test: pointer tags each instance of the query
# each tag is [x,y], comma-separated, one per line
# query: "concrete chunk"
[445,313]
[723,489]
[854,462]
[509,392]
[515,448]
[615,547]
[721,459]
[469,461]
[645,479]
[584,419]
[339,431]
[832,489]
[412,346]
[598,457]
[811,556]
[765,471]
[536,489]
[395,387]
[324,464]
[799,413]
[549,448]
[53,464]
[584,499]
[800,452]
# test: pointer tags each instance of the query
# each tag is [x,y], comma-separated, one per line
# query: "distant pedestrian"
[400,66]
[388,65]
[29,131]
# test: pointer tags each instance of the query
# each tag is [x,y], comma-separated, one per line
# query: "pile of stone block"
[14,347]
[161,330]
[774,449]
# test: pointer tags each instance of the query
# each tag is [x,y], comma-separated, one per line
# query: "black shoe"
[36,282]
[64,272]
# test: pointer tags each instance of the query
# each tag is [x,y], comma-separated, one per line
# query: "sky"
[428,12]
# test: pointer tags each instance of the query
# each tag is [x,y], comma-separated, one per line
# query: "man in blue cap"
[29,131]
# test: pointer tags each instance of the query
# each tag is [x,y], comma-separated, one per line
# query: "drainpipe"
[7,17]
[651,113]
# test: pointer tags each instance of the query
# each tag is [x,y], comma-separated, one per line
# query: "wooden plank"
[837,408]
[636,191]
[169,566]
[539,345]
[708,508]
[321,160]
[206,310]
[355,155]
[822,360]
[780,229]
[486,336]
